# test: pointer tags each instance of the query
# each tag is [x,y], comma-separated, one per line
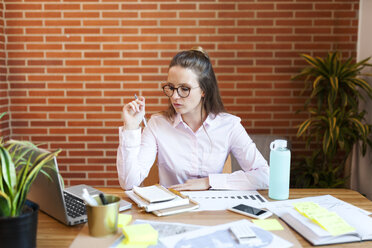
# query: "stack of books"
[160,200]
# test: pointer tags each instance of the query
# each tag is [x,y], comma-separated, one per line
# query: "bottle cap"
[279,143]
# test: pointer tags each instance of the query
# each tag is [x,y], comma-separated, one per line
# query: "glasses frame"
[176,89]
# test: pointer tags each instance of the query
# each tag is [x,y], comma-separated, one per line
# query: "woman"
[192,139]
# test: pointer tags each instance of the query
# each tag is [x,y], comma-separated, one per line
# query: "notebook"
[314,233]
[65,205]
[177,202]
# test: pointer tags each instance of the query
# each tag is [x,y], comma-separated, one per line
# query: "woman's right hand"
[133,113]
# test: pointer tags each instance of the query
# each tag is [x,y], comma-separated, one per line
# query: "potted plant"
[18,216]
[334,122]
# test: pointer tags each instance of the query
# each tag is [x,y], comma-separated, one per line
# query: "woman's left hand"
[193,184]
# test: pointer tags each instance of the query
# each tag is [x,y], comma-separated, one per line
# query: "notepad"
[140,234]
[124,219]
[154,193]
[329,221]
[268,224]
[178,203]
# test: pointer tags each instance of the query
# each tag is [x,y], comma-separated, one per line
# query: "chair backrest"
[262,142]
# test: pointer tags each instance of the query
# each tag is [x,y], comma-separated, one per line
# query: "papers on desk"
[223,199]
[221,236]
[314,233]
[193,236]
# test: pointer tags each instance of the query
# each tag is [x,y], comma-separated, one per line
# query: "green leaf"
[310,60]
[303,127]
[4,204]
[8,171]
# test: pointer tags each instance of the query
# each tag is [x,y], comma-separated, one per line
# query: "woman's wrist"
[128,126]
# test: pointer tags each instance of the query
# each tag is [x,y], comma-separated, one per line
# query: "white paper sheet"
[327,201]
[220,236]
[223,199]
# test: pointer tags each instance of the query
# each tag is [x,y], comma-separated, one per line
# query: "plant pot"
[20,231]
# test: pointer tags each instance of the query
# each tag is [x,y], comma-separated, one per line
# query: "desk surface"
[52,233]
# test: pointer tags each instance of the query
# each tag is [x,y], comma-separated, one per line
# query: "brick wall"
[4,86]
[73,64]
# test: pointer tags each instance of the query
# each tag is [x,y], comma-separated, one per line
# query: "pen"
[103,199]
[143,118]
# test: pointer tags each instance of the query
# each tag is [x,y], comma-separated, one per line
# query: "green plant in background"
[335,121]
[17,173]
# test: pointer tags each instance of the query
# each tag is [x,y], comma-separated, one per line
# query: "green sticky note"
[269,224]
[140,234]
[124,219]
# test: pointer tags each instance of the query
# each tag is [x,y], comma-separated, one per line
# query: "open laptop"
[65,205]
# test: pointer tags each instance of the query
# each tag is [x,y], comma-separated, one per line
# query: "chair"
[262,142]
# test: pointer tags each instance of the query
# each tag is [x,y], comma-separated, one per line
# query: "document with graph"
[211,200]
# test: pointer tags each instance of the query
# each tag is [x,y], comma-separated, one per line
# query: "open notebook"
[354,216]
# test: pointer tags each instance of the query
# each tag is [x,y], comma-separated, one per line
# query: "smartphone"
[251,211]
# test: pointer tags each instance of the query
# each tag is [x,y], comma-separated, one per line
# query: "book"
[176,201]
[176,210]
[357,218]
[154,193]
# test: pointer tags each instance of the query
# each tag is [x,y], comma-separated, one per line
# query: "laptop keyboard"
[75,206]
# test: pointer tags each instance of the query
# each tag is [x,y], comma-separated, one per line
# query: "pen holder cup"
[103,219]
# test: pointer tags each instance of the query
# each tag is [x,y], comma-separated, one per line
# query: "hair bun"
[201,50]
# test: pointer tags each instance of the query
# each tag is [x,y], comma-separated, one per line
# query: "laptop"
[65,205]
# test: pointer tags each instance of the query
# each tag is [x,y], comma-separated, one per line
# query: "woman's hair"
[197,60]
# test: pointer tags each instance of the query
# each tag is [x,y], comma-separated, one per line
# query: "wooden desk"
[52,233]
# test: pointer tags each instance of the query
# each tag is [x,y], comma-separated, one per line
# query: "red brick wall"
[4,86]
[73,64]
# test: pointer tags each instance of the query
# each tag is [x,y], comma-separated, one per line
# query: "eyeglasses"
[183,91]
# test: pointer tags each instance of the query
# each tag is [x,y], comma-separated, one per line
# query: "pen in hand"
[143,118]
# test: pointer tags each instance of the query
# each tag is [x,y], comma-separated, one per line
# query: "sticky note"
[333,223]
[269,224]
[124,219]
[123,245]
[141,234]
[308,209]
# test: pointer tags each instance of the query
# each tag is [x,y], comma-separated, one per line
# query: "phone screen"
[250,210]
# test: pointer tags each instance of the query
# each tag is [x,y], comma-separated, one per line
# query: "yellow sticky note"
[333,223]
[141,234]
[268,224]
[124,219]
[305,206]
[123,245]
[309,209]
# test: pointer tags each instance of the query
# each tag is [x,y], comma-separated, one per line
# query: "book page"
[362,223]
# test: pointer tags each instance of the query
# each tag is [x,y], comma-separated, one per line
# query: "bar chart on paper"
[221,199]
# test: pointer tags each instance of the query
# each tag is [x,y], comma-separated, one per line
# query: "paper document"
[165,229]
[224,199]
[221,236]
